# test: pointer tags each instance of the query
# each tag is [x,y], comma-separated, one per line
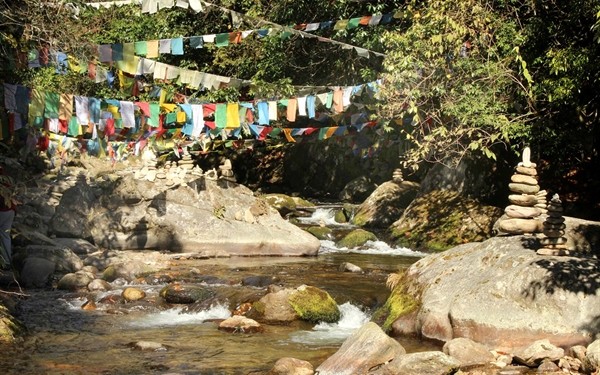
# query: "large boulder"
[430,363]
[502,294]
[441,219]
[386,204]
[198,217]
[364,350]
[357,190]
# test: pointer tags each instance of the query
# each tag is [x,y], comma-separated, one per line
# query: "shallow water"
[64,339]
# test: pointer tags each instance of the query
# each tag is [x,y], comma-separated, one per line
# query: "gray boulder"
[199,217]
[386,204]
[357,190]
[502,294]
[366,349]
[537,353]
[36,272]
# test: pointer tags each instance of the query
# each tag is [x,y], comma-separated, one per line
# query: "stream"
[63,338]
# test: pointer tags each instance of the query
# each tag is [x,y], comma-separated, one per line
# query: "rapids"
[63,338]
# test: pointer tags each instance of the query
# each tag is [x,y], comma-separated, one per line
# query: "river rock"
[314,304]
[147,346]
[36,272]
[592,356]
[349,267]
[516,296]
[534,354]
[357,190]
[99,285]
[240,324]
[74,281]
[195,217]
[274,307]
[452,219]
[185,294]
[356,238]
[386,204]
[64,259]
[133,294]
[78,245]
[468,352]
[291,366]
[430,363]
[366,348]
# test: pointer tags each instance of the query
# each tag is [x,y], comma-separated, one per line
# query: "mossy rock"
[322,233]
[301,202]
[451,220]
[177,293]
[356,238]
[400,302]
[314,305]
[10,327]
[281,202]
[340,216]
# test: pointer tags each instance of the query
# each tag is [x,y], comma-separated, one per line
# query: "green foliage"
[455,82]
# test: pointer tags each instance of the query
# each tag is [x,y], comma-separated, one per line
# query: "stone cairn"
[553,242]
[542,202]
[397,176]
[226,170]
[522,213]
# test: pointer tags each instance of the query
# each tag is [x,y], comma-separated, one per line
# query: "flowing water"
[65,339]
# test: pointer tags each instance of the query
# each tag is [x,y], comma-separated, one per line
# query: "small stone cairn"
[226,170]
[397,176]
[522,213]
[553,242]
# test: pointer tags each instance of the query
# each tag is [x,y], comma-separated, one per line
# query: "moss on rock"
[9,327]
[356,238]
[322,233]
[281,202]
[314,305]
[443,219]
[401,302]
[340,217]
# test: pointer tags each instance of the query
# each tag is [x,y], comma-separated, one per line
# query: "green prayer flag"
[73,130]
[285,34]
[275,133]
[323,133]
[154,113]
[52,101]
[353,23]
[221,115]
[329,102]
[171,118]
[222,40]
[141,48]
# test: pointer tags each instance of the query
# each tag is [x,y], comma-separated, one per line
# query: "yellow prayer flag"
[288,135]
[233,116]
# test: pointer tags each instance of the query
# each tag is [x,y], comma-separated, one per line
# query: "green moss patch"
[322,233]
[314,305]
[356,238]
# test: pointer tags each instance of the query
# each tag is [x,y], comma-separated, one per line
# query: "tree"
[455,80]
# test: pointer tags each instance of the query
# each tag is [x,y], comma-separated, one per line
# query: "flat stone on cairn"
[522,213]
[397,176]
[554,242]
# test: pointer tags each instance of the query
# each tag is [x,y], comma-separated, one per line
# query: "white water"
[174,317]
[370,248]
[352,318]
[322,216]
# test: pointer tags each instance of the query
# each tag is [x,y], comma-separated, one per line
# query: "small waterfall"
[351,319]
[175,316]
[370,248]
[321,216]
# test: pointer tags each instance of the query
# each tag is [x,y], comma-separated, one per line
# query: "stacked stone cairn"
[226,170]
[542,202]
[397,176]
[553,242]
[522,213]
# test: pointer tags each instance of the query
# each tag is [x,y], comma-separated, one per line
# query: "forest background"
[460,80]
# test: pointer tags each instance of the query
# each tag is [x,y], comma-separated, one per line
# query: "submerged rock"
[240,324]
